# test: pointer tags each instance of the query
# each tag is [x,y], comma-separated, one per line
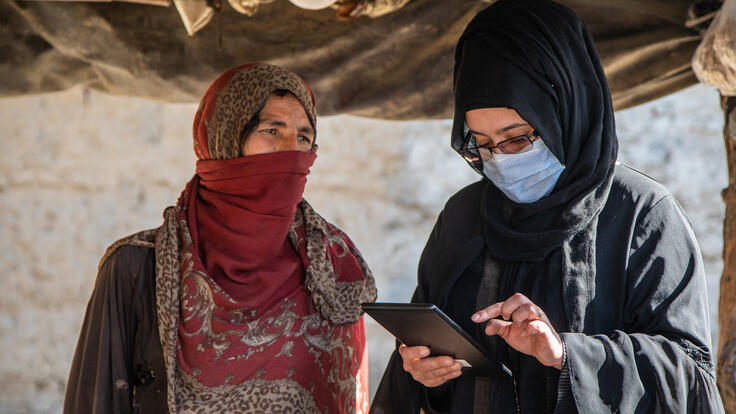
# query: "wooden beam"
[726,371]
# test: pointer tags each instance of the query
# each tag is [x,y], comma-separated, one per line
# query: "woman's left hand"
[525,328]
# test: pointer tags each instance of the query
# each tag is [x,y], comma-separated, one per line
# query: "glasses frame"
[530,137]
[470,148]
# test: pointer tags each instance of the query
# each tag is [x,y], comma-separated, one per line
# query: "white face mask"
[525,177]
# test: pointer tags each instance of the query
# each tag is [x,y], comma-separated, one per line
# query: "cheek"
[255,145]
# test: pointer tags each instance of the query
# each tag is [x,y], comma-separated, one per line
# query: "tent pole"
[727,305]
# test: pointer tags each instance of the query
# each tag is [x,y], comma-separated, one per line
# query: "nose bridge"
[288,140]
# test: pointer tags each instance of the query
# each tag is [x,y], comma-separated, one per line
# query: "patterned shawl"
[306,351]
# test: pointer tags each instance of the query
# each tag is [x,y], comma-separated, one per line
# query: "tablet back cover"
[424,324]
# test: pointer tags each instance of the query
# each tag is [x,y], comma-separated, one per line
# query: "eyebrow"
[502,130]
[273,122]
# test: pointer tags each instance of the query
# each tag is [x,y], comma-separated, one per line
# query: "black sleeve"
[101,378]
[660,361]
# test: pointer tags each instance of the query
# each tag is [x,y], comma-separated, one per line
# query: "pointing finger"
[487,313]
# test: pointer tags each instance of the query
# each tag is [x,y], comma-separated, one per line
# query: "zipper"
[516,397]
[510,268]
[512,366]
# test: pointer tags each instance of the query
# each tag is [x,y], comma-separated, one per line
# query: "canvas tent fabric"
[714,62]
[196,14]
[396,66]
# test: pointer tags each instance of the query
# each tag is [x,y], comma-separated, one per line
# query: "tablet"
[425,324]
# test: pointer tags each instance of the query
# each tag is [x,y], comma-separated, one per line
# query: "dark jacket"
[647,349]
[119,349]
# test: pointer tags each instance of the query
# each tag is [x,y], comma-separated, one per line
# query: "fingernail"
[475,317]
[423,352]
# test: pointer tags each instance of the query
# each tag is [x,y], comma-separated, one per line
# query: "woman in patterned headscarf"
[244,299]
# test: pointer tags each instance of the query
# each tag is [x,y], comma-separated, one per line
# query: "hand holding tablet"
[415,324]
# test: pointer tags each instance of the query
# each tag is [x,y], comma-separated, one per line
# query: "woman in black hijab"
[582,275]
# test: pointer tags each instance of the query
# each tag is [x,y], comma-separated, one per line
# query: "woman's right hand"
[429,371]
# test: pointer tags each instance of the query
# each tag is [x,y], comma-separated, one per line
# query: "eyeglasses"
[476,154]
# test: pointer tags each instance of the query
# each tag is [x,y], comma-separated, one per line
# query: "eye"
[305,139]
[483,142]
[269,131]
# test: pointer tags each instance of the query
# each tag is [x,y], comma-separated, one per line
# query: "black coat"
[647,349]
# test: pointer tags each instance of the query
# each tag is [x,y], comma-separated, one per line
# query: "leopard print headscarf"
[232,100]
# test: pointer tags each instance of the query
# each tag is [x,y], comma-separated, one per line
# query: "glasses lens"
[515,145]
[475,152]
[485,153]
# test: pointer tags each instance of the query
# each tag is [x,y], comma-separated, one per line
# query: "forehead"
[287,106]
[492,117]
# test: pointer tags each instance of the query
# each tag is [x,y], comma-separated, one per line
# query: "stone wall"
[82,169]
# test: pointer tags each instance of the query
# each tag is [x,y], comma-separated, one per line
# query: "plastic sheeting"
[397,66]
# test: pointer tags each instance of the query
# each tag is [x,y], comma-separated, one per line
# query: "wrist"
[561,360]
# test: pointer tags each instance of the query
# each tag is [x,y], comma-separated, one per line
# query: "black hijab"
[538,57]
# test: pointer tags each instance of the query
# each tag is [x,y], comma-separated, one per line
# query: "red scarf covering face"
[258,297]
[243,209]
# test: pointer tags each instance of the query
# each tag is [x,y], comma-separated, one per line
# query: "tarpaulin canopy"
[396,66]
